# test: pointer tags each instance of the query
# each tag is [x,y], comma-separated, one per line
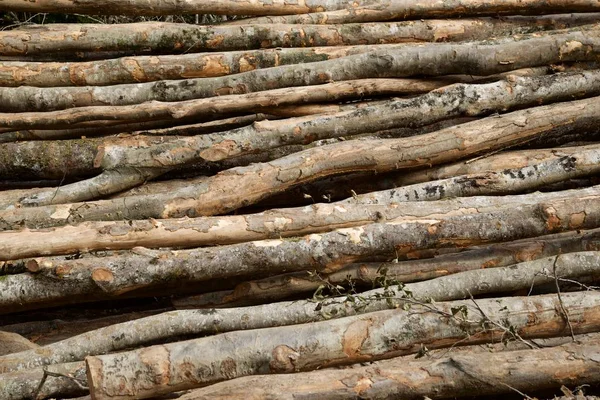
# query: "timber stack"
[324,199]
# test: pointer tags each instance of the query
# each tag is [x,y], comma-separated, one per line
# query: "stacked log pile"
[310,199]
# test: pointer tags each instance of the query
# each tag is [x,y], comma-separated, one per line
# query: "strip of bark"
[222,105]
[284,286]
[455,375]
[436,59]
[272,224]
[164,37]
[337,342]
[171,325]
[456,100]
[90,278]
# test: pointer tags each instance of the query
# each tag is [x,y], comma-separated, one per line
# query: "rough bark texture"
[224,105]
[161,37]
[167,327]
[435,59]
[374,336]
[157,7]
[575,165]
[454,375]
[515,159]
[284,286]
[272,224]
[87,279]
[447,102]
[239,187]
[403,9]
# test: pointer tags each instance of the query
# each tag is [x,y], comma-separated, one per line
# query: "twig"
[564,312]
[57,375]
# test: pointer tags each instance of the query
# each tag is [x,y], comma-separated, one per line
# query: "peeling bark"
[169,326]
[436,59]
[223,105]
[579,164]
[163,37]
[93,278]
[369,337]
[279,287]
[202,231]
[239,187]
[454,375]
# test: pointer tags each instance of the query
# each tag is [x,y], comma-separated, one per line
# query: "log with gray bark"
[575,165]
[452,375]
[397,8]
[482,58]
[144,271]
[365,274]
[402,9]
[167,368]
[201,231]
[239,187]
[223,105]
[169,326]
[163,37]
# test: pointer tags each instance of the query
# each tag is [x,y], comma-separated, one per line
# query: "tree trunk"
[156,7]
[578,164]
[226,105]
[454,375]
[203,231]
[437,59]
[239,187]
[169,326]
[167,368]
[92,278]
[163,37]
[289,285]
[402,9]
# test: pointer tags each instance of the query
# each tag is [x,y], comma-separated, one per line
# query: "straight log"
[203,231]
[280,287]
[239,187]
[402,9]
[454,375]
[167,368]
[169,326]
[92,278]
[437,59]
[164,37]
[578,164]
